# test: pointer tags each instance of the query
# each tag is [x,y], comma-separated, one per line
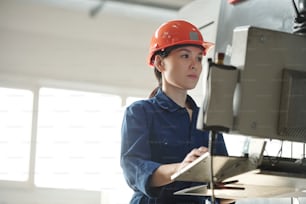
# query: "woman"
[159,135]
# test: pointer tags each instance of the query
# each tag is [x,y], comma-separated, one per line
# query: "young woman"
[159,135]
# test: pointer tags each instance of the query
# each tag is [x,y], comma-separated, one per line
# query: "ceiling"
[95,7]
[166,4]
[57,40]
[169,5]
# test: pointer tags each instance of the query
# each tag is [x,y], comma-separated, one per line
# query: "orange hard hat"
[175,32]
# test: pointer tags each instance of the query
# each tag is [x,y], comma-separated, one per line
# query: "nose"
[193,64]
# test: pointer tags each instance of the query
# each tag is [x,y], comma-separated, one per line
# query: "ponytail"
[154,92]
[159,79]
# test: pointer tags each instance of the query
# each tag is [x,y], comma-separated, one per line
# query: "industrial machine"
[258,90]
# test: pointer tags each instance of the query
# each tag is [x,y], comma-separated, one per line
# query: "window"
[130,100]
[78,139]
[15,133]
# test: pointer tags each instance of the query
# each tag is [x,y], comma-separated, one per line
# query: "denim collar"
[168,104]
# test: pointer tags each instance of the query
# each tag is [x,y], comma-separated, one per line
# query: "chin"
[190,87]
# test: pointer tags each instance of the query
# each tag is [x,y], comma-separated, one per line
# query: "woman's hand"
[193,155]
[226,201]
[162,175]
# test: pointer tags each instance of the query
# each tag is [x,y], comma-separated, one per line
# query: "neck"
[177,95]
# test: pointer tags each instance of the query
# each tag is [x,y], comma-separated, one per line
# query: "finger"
[203,149]
[227,201]
[191,157]
[199,151]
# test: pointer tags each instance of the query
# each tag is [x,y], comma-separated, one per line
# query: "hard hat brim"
[205,45]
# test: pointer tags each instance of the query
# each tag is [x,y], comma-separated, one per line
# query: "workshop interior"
[61,59]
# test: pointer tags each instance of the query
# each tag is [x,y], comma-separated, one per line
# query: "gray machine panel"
[262,55]
[265,97]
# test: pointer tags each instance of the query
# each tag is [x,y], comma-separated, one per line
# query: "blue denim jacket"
[158,131]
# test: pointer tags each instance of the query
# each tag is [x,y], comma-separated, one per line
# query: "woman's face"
[182,67]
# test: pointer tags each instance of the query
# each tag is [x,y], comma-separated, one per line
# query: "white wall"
[42,42]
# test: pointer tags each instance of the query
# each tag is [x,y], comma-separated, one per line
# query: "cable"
[95,10]
[274,160]
[212,136]
[299,26]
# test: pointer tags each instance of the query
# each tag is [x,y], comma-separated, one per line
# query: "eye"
[185,56]
[200,58]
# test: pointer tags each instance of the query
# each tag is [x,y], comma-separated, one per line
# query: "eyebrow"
[187,50]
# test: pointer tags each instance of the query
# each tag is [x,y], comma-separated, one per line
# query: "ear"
[159,63]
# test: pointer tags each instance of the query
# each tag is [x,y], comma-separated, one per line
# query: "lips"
[193,76]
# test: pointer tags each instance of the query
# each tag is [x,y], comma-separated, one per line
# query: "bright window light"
[235,144]
[15,133]
[130,100]
[78,140]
